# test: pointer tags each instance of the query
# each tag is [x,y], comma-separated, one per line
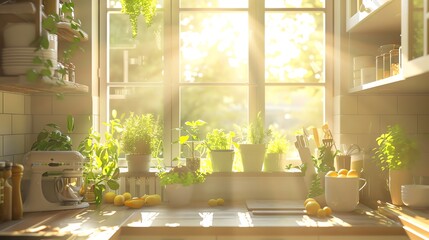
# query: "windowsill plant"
[276,151]
[191,140]
[53,139]
[221,149]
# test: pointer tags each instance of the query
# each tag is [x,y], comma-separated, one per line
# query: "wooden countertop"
[113,222]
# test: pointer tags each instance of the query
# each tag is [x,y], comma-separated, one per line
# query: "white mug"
[342,194]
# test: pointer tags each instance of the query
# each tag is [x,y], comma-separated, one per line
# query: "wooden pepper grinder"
[7,173]
[17,209]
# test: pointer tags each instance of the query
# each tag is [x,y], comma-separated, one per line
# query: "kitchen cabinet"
[32,11]
[381,22]
[269,238]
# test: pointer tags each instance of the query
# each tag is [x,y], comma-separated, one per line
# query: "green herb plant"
[142,134]
[101,169]
[218,139]
[191,137]
[278,142]
[254,132]
[181,175]
[325,161]
[315,187]
[52,139]
[395,149]
[135,8]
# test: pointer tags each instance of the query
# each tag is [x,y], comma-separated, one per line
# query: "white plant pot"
[252,157]
[178,195]
[275,162]
[397,178]
[138,163]
[222,160]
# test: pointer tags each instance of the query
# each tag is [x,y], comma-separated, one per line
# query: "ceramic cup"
[342,194]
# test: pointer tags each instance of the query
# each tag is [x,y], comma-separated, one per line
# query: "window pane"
[214,4]
[292,108]
[294,4]
[117,3]
[213,47]
[220,107]
[294,47]
[129,58]
[140,100]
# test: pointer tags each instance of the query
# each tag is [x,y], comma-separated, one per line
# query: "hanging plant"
[135,8]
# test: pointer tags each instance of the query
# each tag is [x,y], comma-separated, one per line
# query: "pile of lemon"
[126,199]
[312,207]
[343,173]
[216,202]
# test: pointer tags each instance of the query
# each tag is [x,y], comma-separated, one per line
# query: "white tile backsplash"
[5,124]
[377,105]
[13,103]
[21,124]
[358,124]
[413,104]
[13,144]
[407,122]
[423,124]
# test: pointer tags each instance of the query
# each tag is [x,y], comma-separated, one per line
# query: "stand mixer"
[66,167]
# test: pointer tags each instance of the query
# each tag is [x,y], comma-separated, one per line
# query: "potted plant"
[252,151]
[194,147]
[396,152]
[276,149]
[141,140]
[220,146]
[178,184]
[101,169]
[135,8]
[52,139]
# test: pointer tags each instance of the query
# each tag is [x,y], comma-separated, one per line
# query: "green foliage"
[135,8]
[278,142]
[52,139]
[256,133]
[315,188]
[181,175]
[325,161]
[217,139]
[142,134]
[102,169]
[191,137]
[395,149]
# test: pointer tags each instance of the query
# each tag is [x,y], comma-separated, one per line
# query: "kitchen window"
[221,61]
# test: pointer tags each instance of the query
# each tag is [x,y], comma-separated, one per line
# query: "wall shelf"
[22,85]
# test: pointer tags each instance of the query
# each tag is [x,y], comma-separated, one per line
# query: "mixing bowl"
[415,196]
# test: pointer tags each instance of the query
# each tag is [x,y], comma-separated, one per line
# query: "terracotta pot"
[252,157]
[138,163]
[222,160]
[397,178]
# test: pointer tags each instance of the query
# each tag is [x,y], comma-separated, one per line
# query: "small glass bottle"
[386,65]
[379,67]
[394,62]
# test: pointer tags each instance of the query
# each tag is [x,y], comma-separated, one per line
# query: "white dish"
[18,70]
[19,34]
[415,196]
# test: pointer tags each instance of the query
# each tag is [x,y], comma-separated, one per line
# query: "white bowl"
[415,196]
[20,34]
[18,70]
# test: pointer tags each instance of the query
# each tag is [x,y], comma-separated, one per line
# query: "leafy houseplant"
[192,141]
[135,8]
[276,149]
[102,169]
[253,150]
[178,183]
[54,139]
[141,140]
[220,148]
[396,152]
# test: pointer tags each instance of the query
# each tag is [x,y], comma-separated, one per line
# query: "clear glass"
[214,4]
[386,65]
[294,4]
[294,47]
[394,62]
[221,107]
[291,108]
[129,58]
[214,47]
[379,67]
[416,44]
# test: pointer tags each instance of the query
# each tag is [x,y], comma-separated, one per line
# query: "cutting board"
[273,205]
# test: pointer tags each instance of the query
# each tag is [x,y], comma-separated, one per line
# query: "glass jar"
[386,65]
[379,67]
[394,62]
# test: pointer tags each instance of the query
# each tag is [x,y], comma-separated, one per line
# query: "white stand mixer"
[67,164]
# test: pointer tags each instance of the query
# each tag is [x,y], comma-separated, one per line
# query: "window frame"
[171,85]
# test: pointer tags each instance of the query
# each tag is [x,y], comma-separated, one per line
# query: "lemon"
[308,200]
[342,175]
[220,201]
[212,202]
[352,174]
[332,174]
[109,196]
[135,203]
[328,211]
[321,213]
[343,171]
[152,200]
[118,200]
[127,196]
[312,207]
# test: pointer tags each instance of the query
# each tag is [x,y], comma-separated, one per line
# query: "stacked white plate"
[17,61]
